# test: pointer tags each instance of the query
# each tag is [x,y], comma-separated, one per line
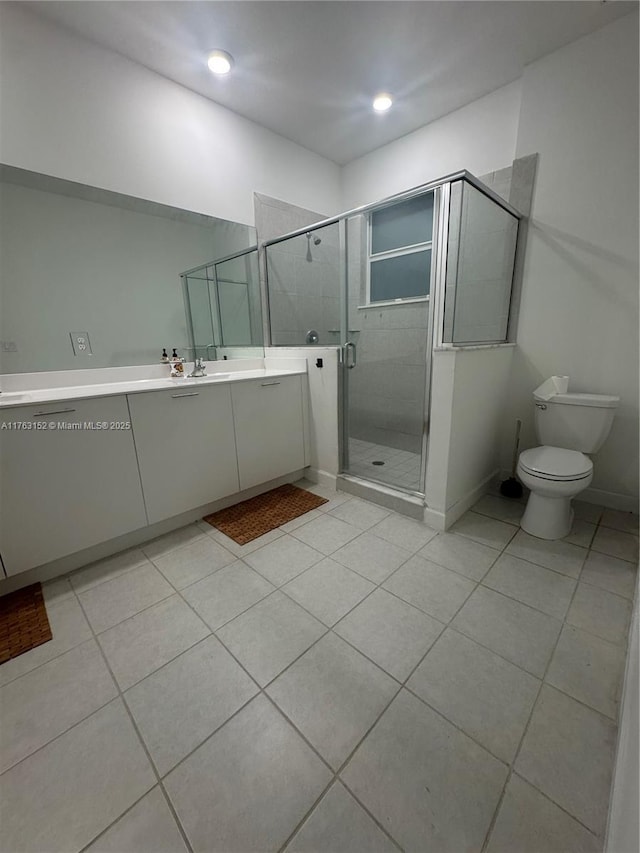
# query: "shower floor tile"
[397,468]
[336,712]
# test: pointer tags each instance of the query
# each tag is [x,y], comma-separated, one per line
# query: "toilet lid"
[556,463]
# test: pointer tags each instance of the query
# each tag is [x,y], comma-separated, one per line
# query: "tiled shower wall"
[304,279]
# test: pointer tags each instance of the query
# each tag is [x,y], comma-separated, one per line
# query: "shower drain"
[377,462]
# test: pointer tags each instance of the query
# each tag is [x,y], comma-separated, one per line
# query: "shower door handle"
[349,362]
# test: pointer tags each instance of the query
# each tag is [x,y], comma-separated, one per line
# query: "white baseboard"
[611,500]
[322,478]
[434,518]
[453,513]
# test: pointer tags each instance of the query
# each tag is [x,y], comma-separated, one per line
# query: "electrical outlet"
[81,343]
[8,346]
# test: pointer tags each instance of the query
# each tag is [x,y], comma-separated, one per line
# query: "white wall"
[468,393]
[623,832]
[74,110]
[579,310]
[480,137]
[323,407]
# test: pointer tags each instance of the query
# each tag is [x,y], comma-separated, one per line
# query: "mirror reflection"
[78,262]
[222,301]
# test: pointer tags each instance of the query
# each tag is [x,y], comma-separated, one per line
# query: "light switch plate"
[81,343]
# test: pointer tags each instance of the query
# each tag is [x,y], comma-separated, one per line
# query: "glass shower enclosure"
[388,282]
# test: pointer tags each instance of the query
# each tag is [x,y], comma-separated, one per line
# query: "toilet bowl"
[570,425]
[554,475]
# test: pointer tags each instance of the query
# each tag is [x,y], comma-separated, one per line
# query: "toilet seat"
[556,463]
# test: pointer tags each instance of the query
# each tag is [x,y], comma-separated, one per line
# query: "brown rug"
[24,623]
[248,520]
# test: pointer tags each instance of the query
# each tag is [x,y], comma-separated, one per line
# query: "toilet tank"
[575,421]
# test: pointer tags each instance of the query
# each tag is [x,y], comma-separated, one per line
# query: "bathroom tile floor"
[353,681]
[399,468]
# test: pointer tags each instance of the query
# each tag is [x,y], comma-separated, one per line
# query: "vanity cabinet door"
[269,428]
[186,447]
[65,487]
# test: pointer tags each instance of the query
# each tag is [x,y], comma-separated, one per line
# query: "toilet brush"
[511,488]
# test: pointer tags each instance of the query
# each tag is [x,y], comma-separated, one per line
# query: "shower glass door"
[386,287]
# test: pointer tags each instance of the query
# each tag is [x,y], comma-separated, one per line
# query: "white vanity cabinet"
[186,447]
[69,486]
[269,427]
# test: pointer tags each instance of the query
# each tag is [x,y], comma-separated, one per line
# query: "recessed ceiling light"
[220,62]
[382,102]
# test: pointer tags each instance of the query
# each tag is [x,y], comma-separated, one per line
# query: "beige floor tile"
[485,530]
[372,557]
[240,551]
[140,645]
[149,827]
[616,544]
[340,825]
[327,533]
[283,559]
[430,785]
[460,554]
[171,541]
[610,573]
[107,569]
[328,590]
[180,705]
[405,533]
[361,514]
[601,613]
[486,696]
[62,796]
[589,669]
[270,635]
[124,596]
[227,593]
[434,589]
[333,695]
[624,521]
[69,628]
[391,632]
[531,584]
[568,753]
[266,779]
[46,702]
[515,631]
[504,509]
[553,554]
[530,823]
[191,563]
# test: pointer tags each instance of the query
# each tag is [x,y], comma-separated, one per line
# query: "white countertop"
[127,384]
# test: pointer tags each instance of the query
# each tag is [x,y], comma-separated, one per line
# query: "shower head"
[316,240]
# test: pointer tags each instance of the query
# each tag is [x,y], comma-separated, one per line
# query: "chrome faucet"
[199,368]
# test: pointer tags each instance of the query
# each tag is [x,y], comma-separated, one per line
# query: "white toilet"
[570,426]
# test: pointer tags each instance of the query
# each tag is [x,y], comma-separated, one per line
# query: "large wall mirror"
[78,259]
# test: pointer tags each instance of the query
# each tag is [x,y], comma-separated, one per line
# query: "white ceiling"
[308,70]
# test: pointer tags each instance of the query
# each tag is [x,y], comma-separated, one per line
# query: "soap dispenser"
[164,358]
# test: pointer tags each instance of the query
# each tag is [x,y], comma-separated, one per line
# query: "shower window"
[400,239]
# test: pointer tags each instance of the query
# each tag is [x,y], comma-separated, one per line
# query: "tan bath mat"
[24,623]
[255,517]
